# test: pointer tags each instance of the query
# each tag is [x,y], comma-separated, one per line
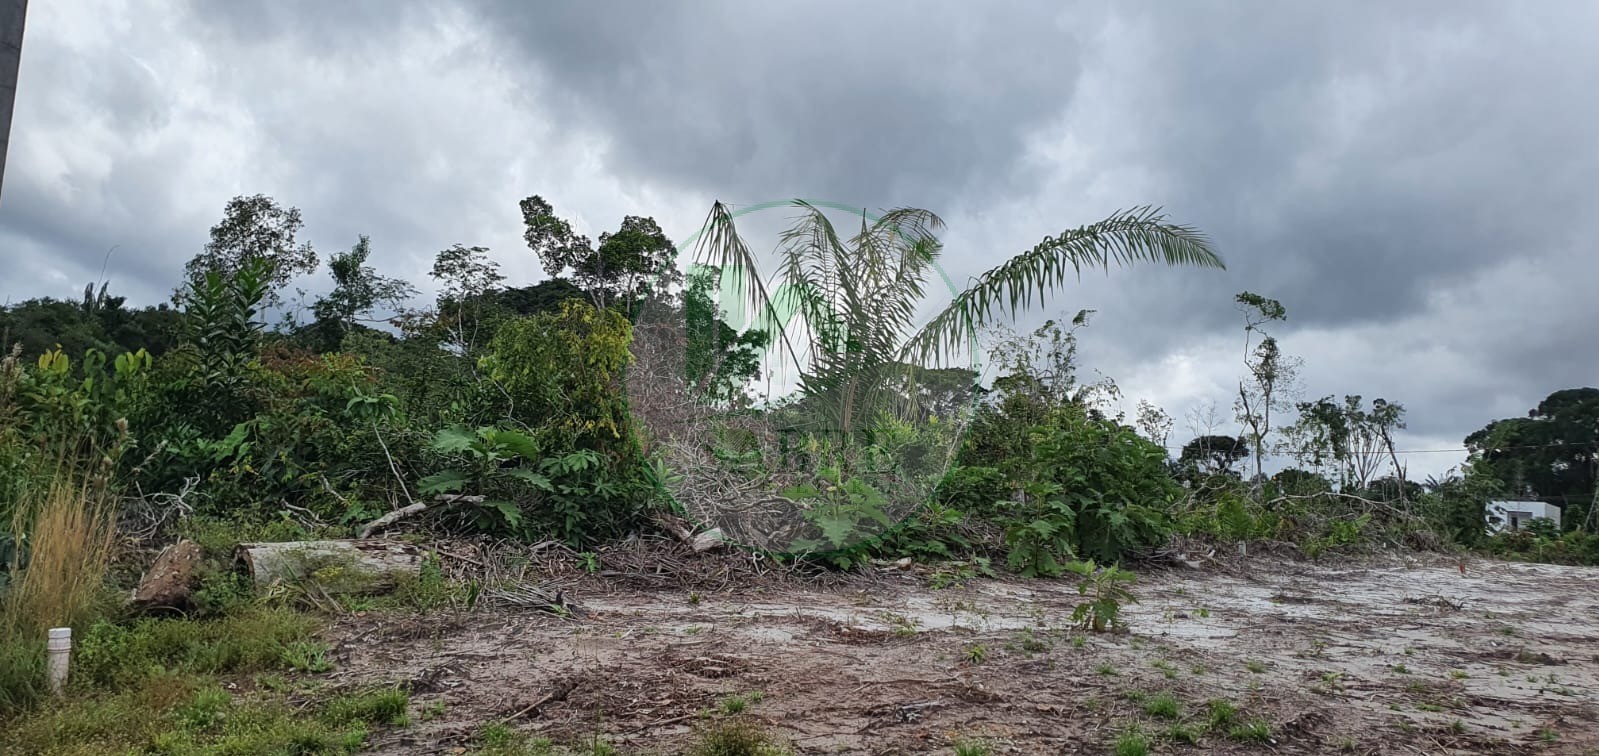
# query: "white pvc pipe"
[60,649]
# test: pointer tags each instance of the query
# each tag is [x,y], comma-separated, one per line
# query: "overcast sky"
[1413,180]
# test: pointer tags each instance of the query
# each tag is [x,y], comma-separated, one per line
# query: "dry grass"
[68,533]
[65,533]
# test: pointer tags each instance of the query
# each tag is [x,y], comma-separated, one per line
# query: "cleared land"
[1402,657]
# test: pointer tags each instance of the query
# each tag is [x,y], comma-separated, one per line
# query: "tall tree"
[358,289]
[468,281]
[255,228]
[1213,455]
[1349,439]
[1270,374]
[1551,454]
[719,361]
[629,264]
[1154,423]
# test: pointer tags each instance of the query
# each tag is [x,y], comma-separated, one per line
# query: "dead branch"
[414,508]
[561,690]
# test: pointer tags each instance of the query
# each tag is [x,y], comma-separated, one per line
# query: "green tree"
[1270,374]
[1349,439]
[628,265]
[1551,454]
[1214,455]
[358,289]
[719,361]
[255,228]
[468,283]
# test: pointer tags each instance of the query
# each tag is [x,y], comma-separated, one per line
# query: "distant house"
[1513,515]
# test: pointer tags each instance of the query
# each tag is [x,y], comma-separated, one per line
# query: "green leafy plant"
[1105,591]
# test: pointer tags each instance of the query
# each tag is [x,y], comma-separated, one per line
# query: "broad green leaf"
[449,481]
[453,439]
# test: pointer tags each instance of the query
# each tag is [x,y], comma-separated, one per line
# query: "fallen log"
[336,566]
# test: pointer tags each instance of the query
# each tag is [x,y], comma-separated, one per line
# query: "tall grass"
[64,532]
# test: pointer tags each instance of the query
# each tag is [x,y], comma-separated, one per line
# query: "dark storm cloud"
[1346,158]
[1411,179]
[876,104]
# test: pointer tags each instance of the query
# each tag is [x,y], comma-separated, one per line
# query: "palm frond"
[1139,235]
[723,249]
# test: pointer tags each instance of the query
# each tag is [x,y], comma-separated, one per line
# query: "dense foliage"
[512,400]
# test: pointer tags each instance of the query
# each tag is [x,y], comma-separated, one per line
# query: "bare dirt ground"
[1401,657]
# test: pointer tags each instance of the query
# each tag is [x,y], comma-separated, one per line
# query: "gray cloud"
[1410,179]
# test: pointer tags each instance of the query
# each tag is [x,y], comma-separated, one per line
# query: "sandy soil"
[1401,658]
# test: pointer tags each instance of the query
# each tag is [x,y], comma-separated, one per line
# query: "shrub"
[1098,491]
[735,737]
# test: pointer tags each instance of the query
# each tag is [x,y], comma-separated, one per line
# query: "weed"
[734,704]
[1165,668]
[1331,682]
[1457,727]
[1164,706]
[1182,733]
[1079,641]
[1103,586]
[1548,734]
[272,682]
[1198,669]
[1220,713]
[694,598]
[1131,742]
[306,656]
[1253,731]
[385,706]
[1458,674]
[1401,669]
[734,738]
[1204,612]
[1255,666]
[1030,642]
[431,710]
[903,626]
[976,653]
[68,531]
[590,562]
[1107,669]
[176,713]
[971,747]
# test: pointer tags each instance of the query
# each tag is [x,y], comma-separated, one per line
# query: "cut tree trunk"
[335,566]
[170,580]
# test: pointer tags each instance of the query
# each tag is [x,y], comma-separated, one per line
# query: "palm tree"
[855,299]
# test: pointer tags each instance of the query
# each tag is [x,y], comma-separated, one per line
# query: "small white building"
[1504,516]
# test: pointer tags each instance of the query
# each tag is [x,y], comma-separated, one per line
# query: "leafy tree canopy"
[1549,454]
[256,228]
